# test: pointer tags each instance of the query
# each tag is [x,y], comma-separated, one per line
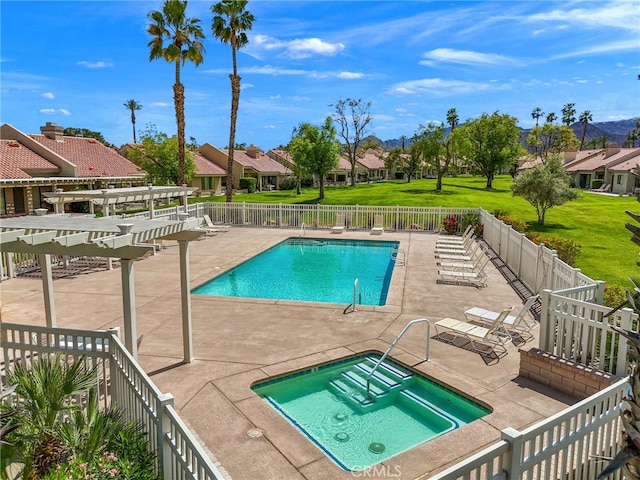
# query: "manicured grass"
[595,221]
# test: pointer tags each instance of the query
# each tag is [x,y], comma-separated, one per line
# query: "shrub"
[249,184]
[450,224]
[517,224]
[614,295]
[597,183]
[288,183]
[568,250]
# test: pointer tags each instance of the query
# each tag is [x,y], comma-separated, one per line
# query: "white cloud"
[262,70]
[99,64]
[439,87]
[270,127]
[350,75]
[47,111]
[298,48]
[466,57]
[48,95]
[64,112]
[621,14]
[581,80]
[297,98]
[621,46]
[53,111]
[159,104]
[275,97]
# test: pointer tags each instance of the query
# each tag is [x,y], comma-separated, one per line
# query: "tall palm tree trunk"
[235,101]
[133,122]
[178,98]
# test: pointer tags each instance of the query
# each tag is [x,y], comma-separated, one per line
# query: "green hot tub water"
[330,406]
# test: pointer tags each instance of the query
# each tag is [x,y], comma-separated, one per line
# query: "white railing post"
[513,460]
[163,429]
[11,266]
[599,294]
[626,323]
[545,328]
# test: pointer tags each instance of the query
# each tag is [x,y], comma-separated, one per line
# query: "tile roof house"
[251,162]
[373,167]
[208,176]
[613,166]
[31,164]
[340,174]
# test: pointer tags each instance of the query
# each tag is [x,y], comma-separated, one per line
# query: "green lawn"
[595,221]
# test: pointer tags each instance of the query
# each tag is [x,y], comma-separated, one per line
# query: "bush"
[249,184]
[517,224]
[288,183]
[597,183]
[614,295]
[568,250]
[450,224]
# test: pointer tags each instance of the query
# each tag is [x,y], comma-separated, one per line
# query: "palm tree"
[182,36]
[585,118]
[230,23]
[568,114]
[452,120]
[551,117]
[133,106]
[536,113]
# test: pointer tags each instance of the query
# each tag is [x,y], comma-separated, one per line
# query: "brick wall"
[575,379]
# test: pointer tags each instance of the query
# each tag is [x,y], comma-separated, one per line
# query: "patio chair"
[518,323]
[458,248]
[474,253]
[340,223]
[603,188]
[377,229]
[446,238]
[476,263]
[212,227]
[495,335]
[476,277]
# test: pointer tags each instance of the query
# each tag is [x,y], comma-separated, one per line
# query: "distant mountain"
[616,132]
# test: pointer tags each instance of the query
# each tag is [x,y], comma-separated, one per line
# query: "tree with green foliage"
[230,25]
[158,155]
[178,39]
[585,118]
[491,143]
[453,120]
[85,132]
[551,117]
[133,106]
[429,148]
[551,139]
[568,114]
[352,117]
[544,186]
[315,149]
[536,114]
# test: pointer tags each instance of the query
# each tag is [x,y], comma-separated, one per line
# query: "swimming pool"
[312,270]
[329,404]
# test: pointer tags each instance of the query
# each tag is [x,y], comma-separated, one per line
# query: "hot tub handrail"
[393,344]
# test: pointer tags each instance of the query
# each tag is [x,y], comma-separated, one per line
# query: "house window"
[619,179]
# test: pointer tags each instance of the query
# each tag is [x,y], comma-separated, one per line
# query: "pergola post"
[129,306]
[185,295]
[47,289]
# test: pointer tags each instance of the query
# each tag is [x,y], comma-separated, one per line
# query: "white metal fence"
[121,382]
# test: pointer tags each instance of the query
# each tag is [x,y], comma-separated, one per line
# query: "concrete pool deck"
[238,342]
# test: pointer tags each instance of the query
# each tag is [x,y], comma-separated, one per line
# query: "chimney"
[52,131]
[570,155]
[253,151]
[612,149]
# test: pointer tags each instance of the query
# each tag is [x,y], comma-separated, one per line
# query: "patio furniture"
[518,323]
[495,335]
[377,229]
[340,223]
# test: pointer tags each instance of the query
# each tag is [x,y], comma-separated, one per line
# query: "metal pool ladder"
[357,297]
[396,253]
[393,344]
[303,230]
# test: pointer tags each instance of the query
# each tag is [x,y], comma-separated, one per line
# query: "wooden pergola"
[110,237]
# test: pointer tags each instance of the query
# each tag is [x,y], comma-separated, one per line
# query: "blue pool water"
[330,406]
[312,270]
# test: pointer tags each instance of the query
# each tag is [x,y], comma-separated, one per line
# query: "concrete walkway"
[238,342]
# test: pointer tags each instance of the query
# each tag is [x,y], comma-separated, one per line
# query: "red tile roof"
[371,160]
[262,164]
[205,167]
[16,161]
[91,157]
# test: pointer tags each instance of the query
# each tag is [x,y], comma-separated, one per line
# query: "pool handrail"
[393,344]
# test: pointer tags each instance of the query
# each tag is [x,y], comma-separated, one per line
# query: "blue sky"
[75,63]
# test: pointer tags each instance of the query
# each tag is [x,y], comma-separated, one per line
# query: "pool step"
[350,392]
[426,404]
[381,375]
[387,369]
[359,379]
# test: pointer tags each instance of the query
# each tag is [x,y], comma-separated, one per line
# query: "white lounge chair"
[519,323]
[476,277]
[454,238]
[212,227]
[474,253]
[464,246]
[377,229]
[495,335]
[476,263]
[340,223]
